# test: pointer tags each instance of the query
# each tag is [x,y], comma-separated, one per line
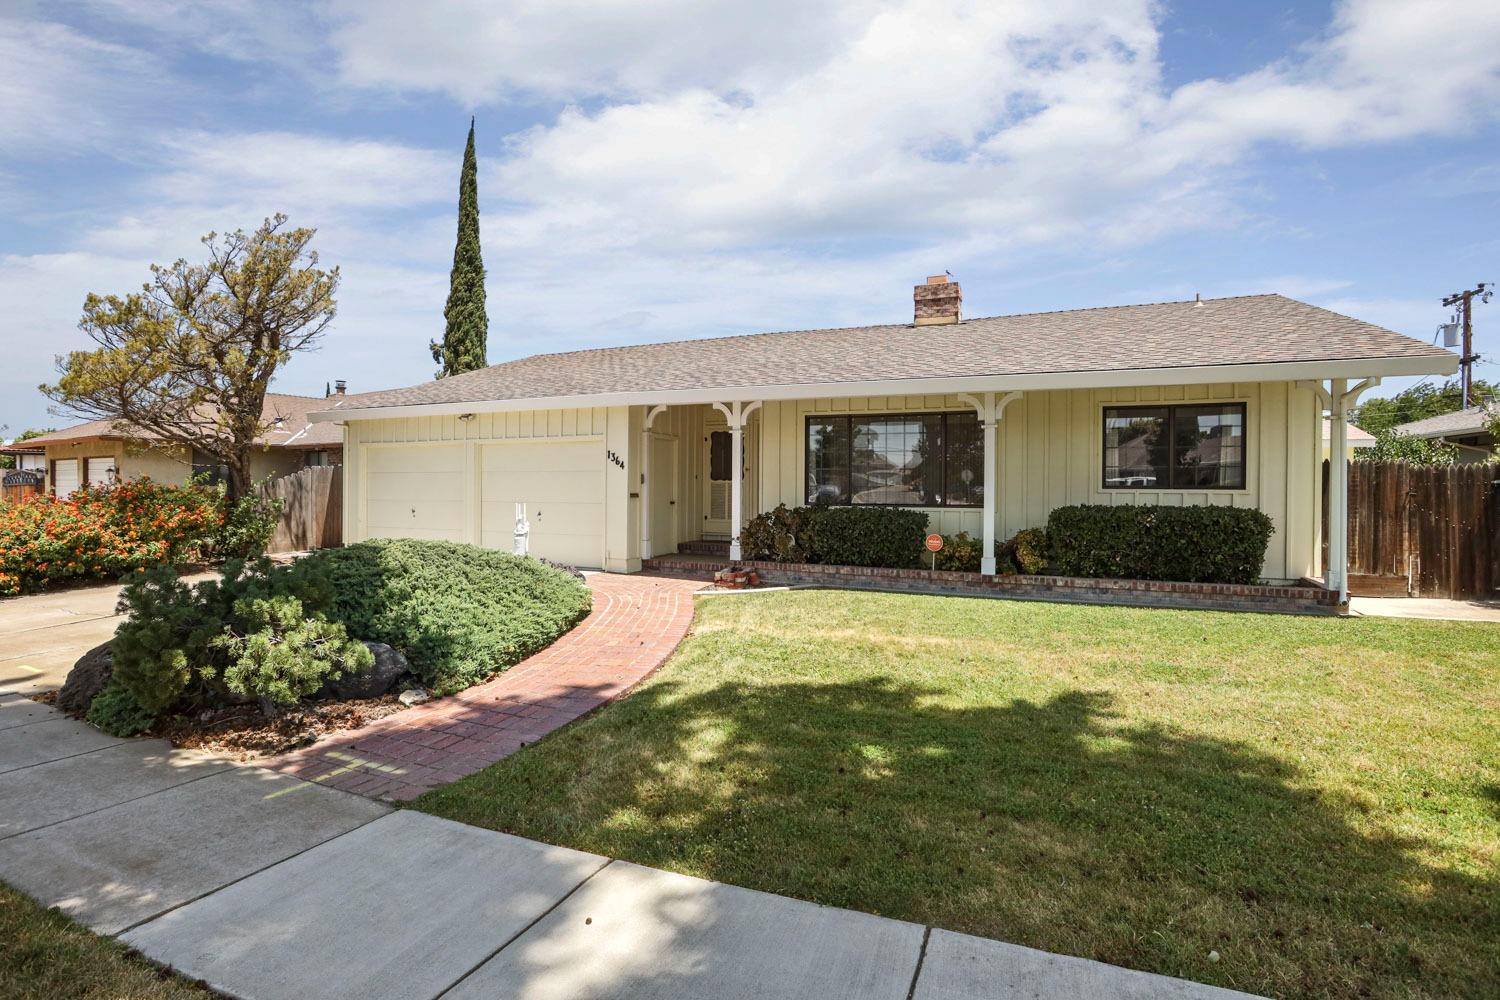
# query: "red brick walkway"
[636,623]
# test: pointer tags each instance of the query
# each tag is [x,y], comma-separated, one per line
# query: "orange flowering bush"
[103,532]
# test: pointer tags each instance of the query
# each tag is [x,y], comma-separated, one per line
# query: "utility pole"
[1465,303]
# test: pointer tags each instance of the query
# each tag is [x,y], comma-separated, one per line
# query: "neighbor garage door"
[415,491]
[64,477]
[562,485]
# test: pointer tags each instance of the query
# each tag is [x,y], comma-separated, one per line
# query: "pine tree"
[464,341]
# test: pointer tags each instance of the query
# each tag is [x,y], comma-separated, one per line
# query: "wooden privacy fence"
[18,485]
[1432,531]
[312,512]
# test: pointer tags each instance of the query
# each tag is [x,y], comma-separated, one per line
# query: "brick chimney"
[938,301]
[339,387]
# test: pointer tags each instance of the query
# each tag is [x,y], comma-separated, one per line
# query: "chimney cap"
[339,386]
[938,279]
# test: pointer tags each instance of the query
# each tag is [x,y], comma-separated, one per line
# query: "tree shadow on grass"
[1053,824]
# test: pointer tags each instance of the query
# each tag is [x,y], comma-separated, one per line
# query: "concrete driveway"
[43,635]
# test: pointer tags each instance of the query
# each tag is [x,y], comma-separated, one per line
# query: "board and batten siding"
[1051,453]
[455,498]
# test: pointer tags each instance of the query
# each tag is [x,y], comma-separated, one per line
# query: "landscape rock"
[390,666]
[87,678]
[415,696]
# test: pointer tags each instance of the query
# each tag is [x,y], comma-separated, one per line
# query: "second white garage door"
[415,491]
[562,485]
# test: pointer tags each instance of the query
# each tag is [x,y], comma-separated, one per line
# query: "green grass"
[1316,800]
[46,956]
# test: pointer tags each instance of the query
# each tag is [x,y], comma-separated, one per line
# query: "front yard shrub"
[256,632]
[1028,550]
[868,536]
[961,553]
[103,532]
[1148,542]
[458,612]
[116,711]
[837,536]
[249,523]
[779,535]
[284,655]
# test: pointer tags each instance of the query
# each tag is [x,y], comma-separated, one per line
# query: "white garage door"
[100,471]
[415,491]
[562,485]
[64,477]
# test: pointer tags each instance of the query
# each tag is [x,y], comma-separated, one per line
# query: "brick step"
[704,547]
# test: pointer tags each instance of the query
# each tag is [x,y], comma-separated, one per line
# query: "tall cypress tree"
[464,341]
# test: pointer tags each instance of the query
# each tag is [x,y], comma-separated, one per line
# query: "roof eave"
[1445,364]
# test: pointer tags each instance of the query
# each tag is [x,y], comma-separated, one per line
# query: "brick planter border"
[1151,593]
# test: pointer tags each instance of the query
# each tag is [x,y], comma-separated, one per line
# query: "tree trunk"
[238,482]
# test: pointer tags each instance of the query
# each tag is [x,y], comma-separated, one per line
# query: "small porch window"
[1174,447]
[896,460]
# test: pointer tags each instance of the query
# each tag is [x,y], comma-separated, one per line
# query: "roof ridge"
[878,326]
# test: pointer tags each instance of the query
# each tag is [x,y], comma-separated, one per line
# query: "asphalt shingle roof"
[1470,421]
[1229,331]
[293,430]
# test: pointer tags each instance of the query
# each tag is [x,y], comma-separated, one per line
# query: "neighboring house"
[102,451]
[1464,429]
[1358,439]
[986,424]
[26,456]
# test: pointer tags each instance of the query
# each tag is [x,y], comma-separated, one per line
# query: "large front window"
[1174,447]
[900,460]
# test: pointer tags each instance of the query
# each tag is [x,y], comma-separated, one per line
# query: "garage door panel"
[415,492]
[428,459]
[562,485]
[400,485]
[584,456]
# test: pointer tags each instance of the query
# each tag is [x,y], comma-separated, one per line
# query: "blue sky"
[660,170]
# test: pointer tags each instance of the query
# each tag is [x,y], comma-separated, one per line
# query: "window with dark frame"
[1187,447]
[896,460]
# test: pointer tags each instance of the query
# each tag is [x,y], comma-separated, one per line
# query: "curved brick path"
[635,624]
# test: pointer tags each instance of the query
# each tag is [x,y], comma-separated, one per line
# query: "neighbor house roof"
[1470,421]
[287,415]
[1243,331]
[22,448]
[1357,438]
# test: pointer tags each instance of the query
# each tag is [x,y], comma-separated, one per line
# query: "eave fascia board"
[1356,368]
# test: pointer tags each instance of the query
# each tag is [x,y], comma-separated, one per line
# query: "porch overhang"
[1355,368]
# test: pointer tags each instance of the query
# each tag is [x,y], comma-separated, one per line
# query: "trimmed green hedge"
[1148,542]
[459,612]
[838,536]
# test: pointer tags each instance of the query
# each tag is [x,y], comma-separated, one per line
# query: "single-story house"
[1467,430]
[25,457]
[102,451]
[1357,439]
[986,424]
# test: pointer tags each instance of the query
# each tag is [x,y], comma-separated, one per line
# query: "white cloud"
[61,90]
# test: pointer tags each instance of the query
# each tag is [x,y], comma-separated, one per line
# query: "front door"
[717,485]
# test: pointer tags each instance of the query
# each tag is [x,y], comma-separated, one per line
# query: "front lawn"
[46,956]
[1314,803]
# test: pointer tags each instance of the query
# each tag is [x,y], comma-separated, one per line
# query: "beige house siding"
[614,430]
[1050,453]
[171,464]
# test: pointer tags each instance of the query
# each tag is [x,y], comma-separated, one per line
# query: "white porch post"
[651,415]
[737,414]
[990,411]
[1338,399]
[1338,491]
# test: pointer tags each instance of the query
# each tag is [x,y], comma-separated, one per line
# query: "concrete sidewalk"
[267,886]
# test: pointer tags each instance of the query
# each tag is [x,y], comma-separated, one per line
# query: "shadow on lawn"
[1050,824]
